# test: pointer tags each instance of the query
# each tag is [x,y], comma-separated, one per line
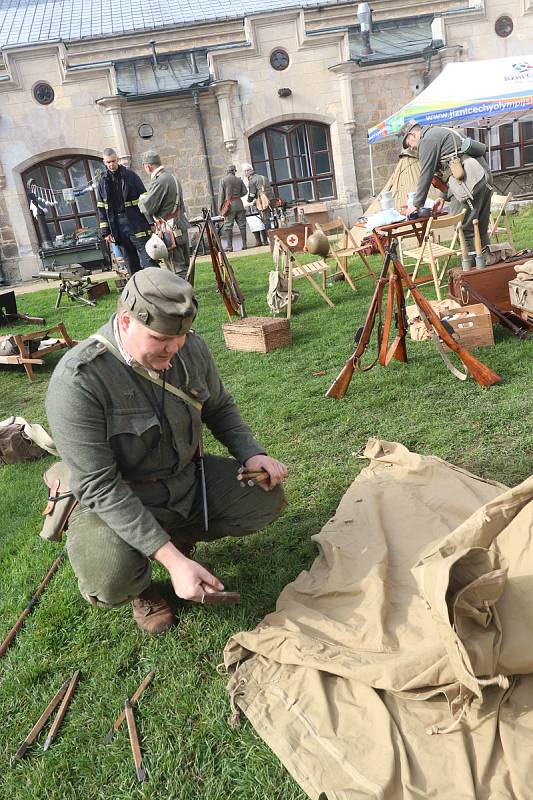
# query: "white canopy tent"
[481,94]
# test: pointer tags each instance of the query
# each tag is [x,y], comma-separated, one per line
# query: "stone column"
[113,106]
[224,91]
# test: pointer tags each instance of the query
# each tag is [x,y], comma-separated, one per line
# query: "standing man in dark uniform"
[117,198]
[436,146]
[233,189]
[164,201]
[257,184]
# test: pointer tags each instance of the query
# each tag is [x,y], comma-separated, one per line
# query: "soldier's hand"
[189,579]
[109,238]
[276,470]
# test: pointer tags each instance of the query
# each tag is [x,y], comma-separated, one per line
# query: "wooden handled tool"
[462,241]
[477,237]
[220,598]
[134,741]
[251,477]
[62,710]
[133,701]
[41,722]
[480,258]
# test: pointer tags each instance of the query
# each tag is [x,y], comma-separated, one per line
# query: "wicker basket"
[257,334]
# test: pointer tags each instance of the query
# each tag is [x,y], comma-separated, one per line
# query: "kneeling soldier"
[126,409]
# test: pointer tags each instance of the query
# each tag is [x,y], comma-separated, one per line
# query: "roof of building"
[392,40]
[32,21]
[178,72]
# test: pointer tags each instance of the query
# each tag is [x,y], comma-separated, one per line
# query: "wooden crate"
[96,290]
[257,334]
[472,325]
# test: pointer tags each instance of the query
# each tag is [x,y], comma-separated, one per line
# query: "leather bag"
[61,502]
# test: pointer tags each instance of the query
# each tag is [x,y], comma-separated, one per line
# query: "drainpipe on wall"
[196,98]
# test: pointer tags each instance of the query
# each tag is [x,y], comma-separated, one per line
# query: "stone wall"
[177,139]
[9,271]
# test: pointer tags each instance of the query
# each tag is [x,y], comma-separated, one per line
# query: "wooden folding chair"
[293,271]
[499,219]
[29,358]
[343,247]
[430,251]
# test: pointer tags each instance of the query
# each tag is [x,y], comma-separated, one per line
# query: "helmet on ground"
[156,248]
[318,244]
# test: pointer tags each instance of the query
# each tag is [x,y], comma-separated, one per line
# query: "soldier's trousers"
[111,573]
[480,210]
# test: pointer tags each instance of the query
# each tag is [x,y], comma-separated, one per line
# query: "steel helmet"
[156,248]
[318,244]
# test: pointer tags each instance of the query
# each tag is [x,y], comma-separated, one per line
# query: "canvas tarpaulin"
[415,619]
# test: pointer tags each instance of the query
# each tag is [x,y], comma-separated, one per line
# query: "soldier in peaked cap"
[126,409]
[436,146]
[163,200]
[231,192]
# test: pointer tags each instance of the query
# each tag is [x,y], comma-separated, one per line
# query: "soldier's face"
[151,349]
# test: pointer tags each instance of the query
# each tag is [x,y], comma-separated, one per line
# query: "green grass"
[189,750]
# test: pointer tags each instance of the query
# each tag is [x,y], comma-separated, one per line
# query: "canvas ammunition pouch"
[61,502]
[23,441]
[465,169]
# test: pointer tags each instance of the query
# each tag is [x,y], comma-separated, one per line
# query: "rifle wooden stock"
[482,374]
[340,385]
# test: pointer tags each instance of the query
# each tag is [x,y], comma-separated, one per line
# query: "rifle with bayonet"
[362,338]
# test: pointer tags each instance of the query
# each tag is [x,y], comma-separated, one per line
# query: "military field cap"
[151,157]
[232,168]
[161,300]
[406,129]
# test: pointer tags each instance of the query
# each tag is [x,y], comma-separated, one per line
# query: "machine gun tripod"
[72,284]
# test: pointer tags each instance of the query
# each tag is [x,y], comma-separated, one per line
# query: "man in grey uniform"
[233,189]
[435,145]
[163,200]
[256,184]
[126,409]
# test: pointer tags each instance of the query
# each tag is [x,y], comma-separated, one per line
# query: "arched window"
[74,172]
[296,158]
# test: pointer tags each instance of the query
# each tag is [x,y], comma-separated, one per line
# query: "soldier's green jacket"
[435,143]
[164,193]
[109,427]
[259,183]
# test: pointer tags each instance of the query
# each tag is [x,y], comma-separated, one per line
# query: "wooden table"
[384,234]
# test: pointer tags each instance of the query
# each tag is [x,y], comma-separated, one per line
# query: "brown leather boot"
[151,611]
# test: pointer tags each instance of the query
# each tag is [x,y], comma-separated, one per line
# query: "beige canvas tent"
[399,666]
[403,180]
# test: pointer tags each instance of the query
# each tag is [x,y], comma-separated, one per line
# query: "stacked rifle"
[394,276]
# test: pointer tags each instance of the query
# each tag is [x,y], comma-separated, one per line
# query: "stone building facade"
[290,88]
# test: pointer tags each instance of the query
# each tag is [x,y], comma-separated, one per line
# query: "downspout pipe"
[196,97]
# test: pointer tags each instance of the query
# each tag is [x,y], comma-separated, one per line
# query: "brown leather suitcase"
[491,282]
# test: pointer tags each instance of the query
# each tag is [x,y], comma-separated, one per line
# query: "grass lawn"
[189,751]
